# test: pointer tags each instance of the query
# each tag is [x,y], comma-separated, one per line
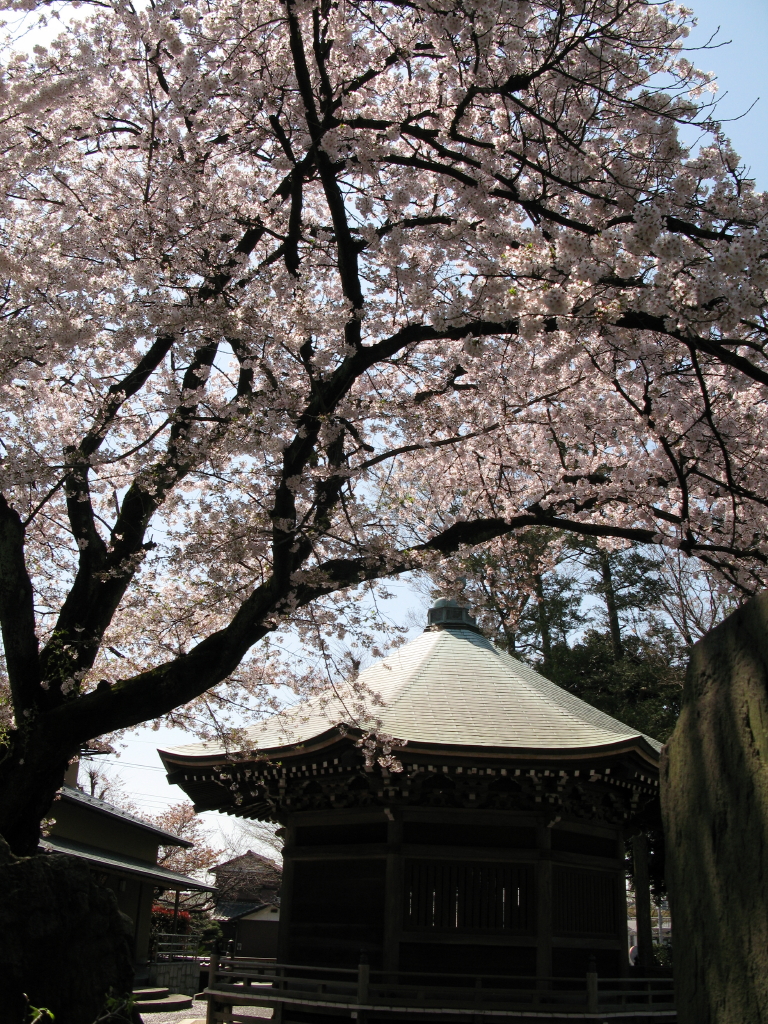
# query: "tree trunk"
[610,603]
[544,631]
[509,636]
[714,799]
[30,777]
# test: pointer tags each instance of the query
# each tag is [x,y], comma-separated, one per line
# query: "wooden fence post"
[592,986]
[363,977]
[213,964]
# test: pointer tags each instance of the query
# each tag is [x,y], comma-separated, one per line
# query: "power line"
[132,764]
[144,767]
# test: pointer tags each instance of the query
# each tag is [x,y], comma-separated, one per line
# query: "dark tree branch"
[649,322]
[104,575]
[17,613]
[346,247]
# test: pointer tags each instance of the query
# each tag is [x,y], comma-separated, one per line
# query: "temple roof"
[450,687]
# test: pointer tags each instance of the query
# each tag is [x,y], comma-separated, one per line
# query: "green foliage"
[635,582]
[117,1010]
[209,933]
[662,954]
[39,1015]
[548,620]
[643,688]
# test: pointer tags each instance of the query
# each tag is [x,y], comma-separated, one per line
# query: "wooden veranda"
[297,993]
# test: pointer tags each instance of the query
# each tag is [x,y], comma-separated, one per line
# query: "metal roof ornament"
[446,613]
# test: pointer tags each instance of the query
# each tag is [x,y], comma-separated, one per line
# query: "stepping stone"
[165,1004]
[151,993]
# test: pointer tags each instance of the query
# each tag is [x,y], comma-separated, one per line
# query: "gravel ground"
[197,1014]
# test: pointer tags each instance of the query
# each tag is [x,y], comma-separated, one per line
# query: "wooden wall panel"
[337,912]
[465,896]
[584,902]
[499,961]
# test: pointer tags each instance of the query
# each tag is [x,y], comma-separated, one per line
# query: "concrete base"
[176,976]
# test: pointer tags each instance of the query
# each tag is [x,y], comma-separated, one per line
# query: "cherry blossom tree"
[298,295]
[182,821]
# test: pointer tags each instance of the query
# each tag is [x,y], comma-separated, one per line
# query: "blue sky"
[741,72]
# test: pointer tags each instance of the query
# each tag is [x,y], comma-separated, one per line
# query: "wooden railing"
[242,981]
[169,946]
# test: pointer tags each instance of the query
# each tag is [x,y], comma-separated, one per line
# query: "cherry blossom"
[301,295]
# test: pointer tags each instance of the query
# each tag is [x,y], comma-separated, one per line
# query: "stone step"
[151,993]
[166,1004]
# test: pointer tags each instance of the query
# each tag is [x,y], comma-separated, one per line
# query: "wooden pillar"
[393,907]
[544,904]
[642,902]
[286,895]
[286,904]
[621,906]
[137,930]
[592,986]
[213,968]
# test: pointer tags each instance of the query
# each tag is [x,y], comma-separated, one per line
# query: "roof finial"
[446,613]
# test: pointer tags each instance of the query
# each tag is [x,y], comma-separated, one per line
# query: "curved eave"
[288,750]
[174,760]
[109,860]
[631,744]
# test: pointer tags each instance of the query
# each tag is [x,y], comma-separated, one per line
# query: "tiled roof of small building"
[248,862]
[231,910]
[109,860]
[77,796]
[450,686]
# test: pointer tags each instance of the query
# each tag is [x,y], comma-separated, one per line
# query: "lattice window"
[450,896]
[584,902]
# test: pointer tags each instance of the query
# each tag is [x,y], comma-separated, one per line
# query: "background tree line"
[613,626]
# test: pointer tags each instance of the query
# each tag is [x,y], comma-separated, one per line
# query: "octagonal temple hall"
[499,847]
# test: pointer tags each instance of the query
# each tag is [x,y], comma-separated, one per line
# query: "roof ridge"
[417,669]
[441,635]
